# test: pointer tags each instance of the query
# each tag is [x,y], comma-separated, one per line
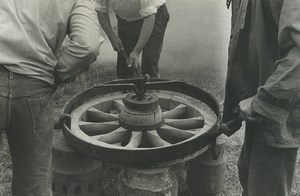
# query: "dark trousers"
[27,116]
[265,170]
[129,34]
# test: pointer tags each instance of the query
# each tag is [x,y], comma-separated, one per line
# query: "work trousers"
[129,34]
[27,116]
[265,170]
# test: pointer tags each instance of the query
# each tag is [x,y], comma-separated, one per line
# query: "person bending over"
[141,28]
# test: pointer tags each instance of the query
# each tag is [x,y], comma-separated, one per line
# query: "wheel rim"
[95,129]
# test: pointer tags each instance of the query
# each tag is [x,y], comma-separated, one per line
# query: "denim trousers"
[27,116]
[265,170]
[129,32]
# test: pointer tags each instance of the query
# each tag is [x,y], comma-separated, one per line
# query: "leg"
[152,50]
[245,156]
[30,141]
[150,56]
[271,170]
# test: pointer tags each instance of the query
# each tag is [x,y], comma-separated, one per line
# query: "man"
[263,80]
[141,29]
[31,34]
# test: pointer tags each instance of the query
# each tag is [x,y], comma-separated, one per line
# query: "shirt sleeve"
[82,48]
[289,26]
[281,93]
[148,8]
[101,6]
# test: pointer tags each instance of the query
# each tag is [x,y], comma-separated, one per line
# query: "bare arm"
[145,34]
[106,25]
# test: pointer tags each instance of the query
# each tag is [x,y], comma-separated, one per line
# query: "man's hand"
[61,78]
[134,61]
[117,43]
[246,111]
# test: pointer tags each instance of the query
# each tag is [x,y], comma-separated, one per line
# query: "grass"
[210,80]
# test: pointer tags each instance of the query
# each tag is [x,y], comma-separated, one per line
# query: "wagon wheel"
[97,130]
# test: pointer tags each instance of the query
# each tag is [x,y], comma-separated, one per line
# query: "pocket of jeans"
[41,112]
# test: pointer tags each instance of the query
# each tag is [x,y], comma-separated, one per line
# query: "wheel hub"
[141,114]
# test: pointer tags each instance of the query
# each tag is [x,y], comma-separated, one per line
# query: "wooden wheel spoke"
[135,139]
[118,105]
[95,115]
[176,112]
[186,124]
[155,140]
[91,128]
[174,135]
[115,137]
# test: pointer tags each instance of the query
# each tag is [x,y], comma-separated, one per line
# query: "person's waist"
[23,72]
[5,72]
[129,18]
[22,85]
[138,17]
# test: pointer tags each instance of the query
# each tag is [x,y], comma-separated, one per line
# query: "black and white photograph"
[149,97]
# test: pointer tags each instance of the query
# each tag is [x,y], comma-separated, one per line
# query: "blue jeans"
[27,116]
[265,170]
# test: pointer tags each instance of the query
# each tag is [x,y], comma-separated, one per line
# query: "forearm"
[145,33]
[104,21]
[74,60]
[83,47]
